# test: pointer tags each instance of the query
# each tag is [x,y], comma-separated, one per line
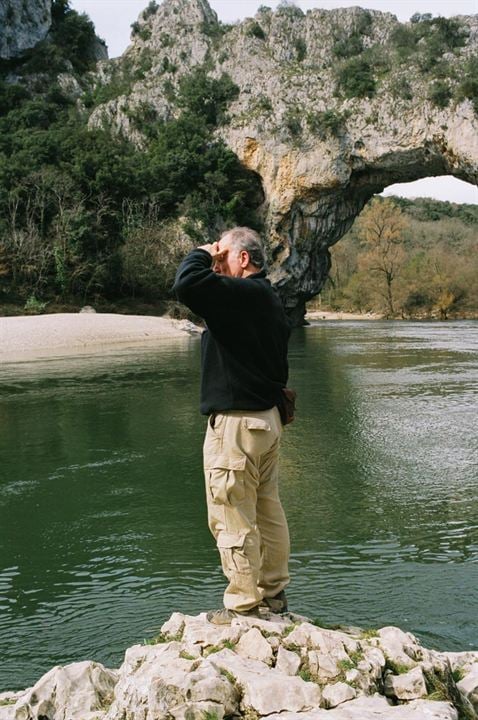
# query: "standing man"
[243,370]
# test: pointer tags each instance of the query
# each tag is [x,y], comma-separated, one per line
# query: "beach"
[336,315]
[29,337]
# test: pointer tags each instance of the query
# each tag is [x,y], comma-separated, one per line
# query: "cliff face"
[23,23]
[333,107]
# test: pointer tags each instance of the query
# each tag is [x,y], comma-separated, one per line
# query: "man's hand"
[214,251]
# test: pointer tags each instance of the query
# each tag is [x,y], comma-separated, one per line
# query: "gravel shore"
[29,337]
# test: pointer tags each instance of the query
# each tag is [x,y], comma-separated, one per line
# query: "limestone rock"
[377,708]
[468,686]
[288,662]
[201,669]
[254,645]
[333,695]
[325,641]
[175,625]
[409,686]
[199,630]
[461,660]
[23,23]
[156,681]
[400,647]
[267,691]
[78,691]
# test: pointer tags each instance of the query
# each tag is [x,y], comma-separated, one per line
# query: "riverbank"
[336,315]
[279,667]
[29,337]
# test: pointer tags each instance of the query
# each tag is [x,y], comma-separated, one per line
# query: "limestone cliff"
[333,107]
[23,23]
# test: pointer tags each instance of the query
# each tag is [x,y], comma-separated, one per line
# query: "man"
[243,370]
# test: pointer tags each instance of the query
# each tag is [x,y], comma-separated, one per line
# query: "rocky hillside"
[23,23]
[332,106]
[282,668]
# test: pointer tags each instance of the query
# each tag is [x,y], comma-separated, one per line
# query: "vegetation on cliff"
[84,212]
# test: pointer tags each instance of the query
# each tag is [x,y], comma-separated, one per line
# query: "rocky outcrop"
[320,151]
[23,23]
[282,668]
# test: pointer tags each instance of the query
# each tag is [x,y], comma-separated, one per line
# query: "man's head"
[241,253]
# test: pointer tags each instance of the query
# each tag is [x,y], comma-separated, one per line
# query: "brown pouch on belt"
[286,405]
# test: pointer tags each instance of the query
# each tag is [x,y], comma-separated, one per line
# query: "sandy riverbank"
[332,315]
[30,337]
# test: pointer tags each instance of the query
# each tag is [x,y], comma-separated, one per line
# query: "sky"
[113,18]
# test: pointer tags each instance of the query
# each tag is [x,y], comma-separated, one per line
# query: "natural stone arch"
[312,218]
[288,67]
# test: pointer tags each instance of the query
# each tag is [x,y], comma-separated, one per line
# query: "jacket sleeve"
[199,287]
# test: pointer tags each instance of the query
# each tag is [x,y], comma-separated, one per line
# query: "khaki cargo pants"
[245,515]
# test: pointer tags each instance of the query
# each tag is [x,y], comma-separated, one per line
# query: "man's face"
[233,262]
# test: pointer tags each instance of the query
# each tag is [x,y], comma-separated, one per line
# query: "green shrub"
[255,30]
[400,88]
[288,8]
[356,79]
[348,46]
[323,122]
[205,97]
[166,40]
[440,93]
[151,9]
[301,49]
[292,121]
[468,87]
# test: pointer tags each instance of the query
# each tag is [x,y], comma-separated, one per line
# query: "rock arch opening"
[319,218]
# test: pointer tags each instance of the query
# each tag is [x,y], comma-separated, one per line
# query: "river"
[103,524]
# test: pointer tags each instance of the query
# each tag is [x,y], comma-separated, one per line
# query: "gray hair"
[244,238]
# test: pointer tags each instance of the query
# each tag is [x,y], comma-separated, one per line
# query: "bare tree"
[381,228]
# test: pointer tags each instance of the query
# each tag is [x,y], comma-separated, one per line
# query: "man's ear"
[245,258]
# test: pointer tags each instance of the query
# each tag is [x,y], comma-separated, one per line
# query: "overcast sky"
[113,18]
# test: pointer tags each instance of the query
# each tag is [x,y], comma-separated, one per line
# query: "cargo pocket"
[231,550]
[225,479]
[252,423]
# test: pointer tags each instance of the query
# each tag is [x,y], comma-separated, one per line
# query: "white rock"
[377,708]
[322,665]
[199,630]
[72,692]
[468,686]
[400,647]
[314,638]
[267,690]
[336,694]
[175,625]
[197,711]
[408,686]
[288,662]
[254,645]
[273,626]
[461,660]
[274,642]
[156,681]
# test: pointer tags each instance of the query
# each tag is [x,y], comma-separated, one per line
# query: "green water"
[103,524]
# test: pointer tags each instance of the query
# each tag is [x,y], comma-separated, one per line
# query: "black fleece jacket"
[244,348]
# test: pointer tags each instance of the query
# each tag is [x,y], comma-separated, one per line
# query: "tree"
[381,229]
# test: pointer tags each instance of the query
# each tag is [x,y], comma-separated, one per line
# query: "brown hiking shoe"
[224,616]
[276,604]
